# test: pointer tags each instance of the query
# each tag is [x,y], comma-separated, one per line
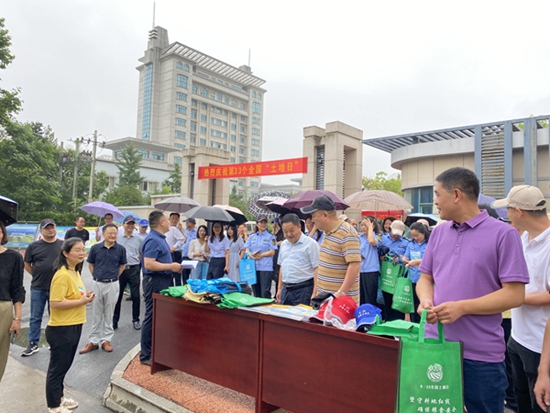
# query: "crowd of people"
[466,272]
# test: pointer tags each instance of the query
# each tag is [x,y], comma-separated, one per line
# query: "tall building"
[210,111]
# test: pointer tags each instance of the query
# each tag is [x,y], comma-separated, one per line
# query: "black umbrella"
[8,210]
[210,213]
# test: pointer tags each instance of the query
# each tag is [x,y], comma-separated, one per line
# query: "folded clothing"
[235,300]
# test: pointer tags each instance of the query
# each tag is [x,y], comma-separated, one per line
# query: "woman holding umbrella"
[218,247]
[12,296]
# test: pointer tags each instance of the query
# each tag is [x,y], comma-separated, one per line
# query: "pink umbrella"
[236,213]
[306,198]
[278,207]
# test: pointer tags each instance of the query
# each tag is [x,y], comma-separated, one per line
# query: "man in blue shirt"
[107,261]
[157,267]
[262,245]
[298,260]
[190,234]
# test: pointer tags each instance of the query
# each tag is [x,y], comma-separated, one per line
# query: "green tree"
[128,165]
[381,182]
[174,180]
[239,201]
[125,196]
[10,104]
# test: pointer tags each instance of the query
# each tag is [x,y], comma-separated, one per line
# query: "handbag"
[403,296]
[429,374]
[204,270]
[247,270]
[388,275]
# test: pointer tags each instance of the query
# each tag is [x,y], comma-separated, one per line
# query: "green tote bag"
[429,375]
[388,275]
[403,296]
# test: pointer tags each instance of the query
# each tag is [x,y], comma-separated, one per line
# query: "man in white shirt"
[175,240]
[527,212]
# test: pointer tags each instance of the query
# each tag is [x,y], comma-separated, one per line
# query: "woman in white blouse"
[197,251]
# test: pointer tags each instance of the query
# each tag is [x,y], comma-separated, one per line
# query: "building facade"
[503,154]
[209,111]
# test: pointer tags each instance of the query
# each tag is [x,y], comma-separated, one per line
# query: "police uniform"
[262,242]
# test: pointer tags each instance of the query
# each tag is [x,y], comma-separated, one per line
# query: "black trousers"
[63,341]
[368,287]
[215,268]
[151,284]
[131,277]
[296,296]
[176,257]
[391,314]
[262,288]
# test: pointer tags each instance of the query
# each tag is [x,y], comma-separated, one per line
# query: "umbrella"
[412,218]
[177,204]
[305,198]
[127,214]
[210,213]
[278,207]
[236,213]
[8,210]
[488,200]
[256,205]
[99,209]
[377,200]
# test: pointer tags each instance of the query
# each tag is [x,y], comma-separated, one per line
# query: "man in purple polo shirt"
[473,269]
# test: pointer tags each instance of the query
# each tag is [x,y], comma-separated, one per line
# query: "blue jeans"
[484,386]
[39,300]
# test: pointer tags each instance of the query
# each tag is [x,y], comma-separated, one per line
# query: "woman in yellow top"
[68,299]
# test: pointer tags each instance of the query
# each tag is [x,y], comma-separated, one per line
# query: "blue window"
[253,184]
[256,107]
[186,67]
[203,129]
[193,138]
[204,92]
[179,65]
[233,102]
[259,96]
[193,126]
[180,134]
[194,88]
[144,154]
[157,156]
[241,150]
[203,118]
[181,96]
[203,105]
[219,97]
[255,142]
[203,142]
[233,126]
[242,139]
[253,94]
[181,122]
[232,160]
[178,159]
[194,114]
[233,138]
[181,109]
[242,128]
[225,100]
[147,95]
[182,81]
[193,102]
[255,131]
[256,121]
[255,152]
[179,146]
[232,149]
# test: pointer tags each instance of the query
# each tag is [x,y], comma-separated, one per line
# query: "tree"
[128,165]
[381,182]
[10,104]
[239,201]
[174,180]
[124,196]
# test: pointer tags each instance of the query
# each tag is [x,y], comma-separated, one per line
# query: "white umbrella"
[179,204]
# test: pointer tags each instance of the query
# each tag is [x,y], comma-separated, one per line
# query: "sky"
[383,67]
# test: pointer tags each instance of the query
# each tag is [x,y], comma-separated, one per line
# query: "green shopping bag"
[388,275]
[429,374]
[403,296]
[395,328]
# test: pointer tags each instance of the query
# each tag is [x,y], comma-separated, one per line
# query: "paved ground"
[89,375]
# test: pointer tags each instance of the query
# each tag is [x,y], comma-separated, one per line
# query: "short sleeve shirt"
[67,286]
[84,235]
[299,260]
[107,261]
[156,247]
[262,242]
[468,261]
[41,255]
[339,248]
[218,247]
[132,244]
[370,262]
[415,251]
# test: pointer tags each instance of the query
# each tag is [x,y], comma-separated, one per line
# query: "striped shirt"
[339,248]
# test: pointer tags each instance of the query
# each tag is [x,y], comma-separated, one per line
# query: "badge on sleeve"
[273,241]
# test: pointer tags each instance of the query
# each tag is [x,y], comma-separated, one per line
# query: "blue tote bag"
[247,270]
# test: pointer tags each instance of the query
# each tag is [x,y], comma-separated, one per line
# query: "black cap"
[45,222]
[322,202]
[261,218]
[191,220]
[129,218]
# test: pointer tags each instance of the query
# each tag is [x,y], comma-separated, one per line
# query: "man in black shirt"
[78,231]
[39,259]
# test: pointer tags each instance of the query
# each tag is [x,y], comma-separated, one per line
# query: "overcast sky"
[383,67]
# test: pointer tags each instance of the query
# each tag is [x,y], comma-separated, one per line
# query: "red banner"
[243,170]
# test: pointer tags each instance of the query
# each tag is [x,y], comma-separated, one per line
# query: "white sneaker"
[69,403]
[59,409]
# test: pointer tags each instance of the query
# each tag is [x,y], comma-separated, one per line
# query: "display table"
[299,366]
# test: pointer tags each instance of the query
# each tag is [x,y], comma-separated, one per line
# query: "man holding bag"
[478,266]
